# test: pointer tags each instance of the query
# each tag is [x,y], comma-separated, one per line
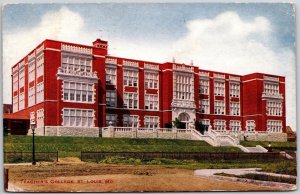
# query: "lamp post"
[32,123]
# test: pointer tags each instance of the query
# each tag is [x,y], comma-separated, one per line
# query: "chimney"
[100,44]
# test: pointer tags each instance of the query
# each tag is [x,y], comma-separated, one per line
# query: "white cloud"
[224,43]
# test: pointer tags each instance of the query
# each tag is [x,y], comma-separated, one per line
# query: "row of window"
[183,87]
[133,120]
[219,88]
[78,117]
[76,63]
[274,108]
[78,92]
[219,108]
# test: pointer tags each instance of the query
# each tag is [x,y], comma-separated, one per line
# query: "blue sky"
[234,38]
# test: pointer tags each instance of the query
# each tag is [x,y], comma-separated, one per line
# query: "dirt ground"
[69,175]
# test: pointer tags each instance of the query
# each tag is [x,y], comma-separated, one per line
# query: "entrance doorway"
[184,118]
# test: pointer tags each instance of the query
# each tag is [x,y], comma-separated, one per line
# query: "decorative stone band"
[130,63]
[151,66]
[39,49]
[31,56]
[203,74]
[183,68]
[219,76]
[111,61]
[76,49]
[269,78]
[183,104]
[66,72]
[270,95]
[234,78]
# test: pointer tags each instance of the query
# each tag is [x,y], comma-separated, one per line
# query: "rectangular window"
[271,88]
[235,108]
[111,98]
[130,78]
[131,100]
[111,75]
[40,65]
[22,77]
[22,101]
[31,96]
[183,87]
[220,125]
[40,118]
[274,108]
[75,63]
[15,81]
[111,118]
[40,92]
[151,80]
[204,87]
[15,104]
[151,101]
[204,106]
[130,120]
[234,90]
[78,117]
[78,92]
[151,122]
[31,71]
[250,125]
[219,107]
[219,88]
[235,126]
[274,126]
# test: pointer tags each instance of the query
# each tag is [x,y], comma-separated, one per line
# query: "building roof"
[15,116]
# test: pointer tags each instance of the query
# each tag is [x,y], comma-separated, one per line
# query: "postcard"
[149,97]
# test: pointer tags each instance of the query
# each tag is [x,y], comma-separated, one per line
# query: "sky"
[234,38]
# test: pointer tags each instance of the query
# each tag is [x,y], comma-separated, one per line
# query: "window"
[219,88]
[130,78]
[31,71]
[151,101]
[111,118]
[220,125]
[22,77]
[151,80]
[274,126]
[205,122]
[183,87]
[235,126]
[274,108]
[40,92]
[110,75]
[250,125]
[15,104]
[40,118]
[78,92]
[22,101]
[219,107]
[235,108]
[271,88]
[234,90]
[151,122]
[131,100]
[40,65]
[204,106]
[31,96]
[204,87]
[111,98]
[130,120]
[78,117]
[76,63]
[15,82]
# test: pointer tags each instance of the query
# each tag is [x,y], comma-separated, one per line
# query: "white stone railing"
[234,78]
[219,76]
[183,68]
[76,49]
[204,74]
[123,129]
[272,95]
[151,66]
[130,63]
[111,61]
[62,71]
[273,79]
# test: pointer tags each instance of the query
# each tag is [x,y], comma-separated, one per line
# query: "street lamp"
[32,124]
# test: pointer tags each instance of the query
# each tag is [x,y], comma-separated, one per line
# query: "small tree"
[178,124]
[200,127]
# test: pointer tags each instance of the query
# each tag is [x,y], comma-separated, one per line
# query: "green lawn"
[277,146]
[72,146]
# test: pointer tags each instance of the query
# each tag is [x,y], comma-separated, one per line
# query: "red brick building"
[72,89]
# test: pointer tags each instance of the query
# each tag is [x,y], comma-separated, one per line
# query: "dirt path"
[91,177]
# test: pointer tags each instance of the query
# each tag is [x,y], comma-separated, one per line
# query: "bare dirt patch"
[66,176]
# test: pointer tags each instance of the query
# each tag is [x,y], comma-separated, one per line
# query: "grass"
[276,146]
[280,166]
[72,146]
